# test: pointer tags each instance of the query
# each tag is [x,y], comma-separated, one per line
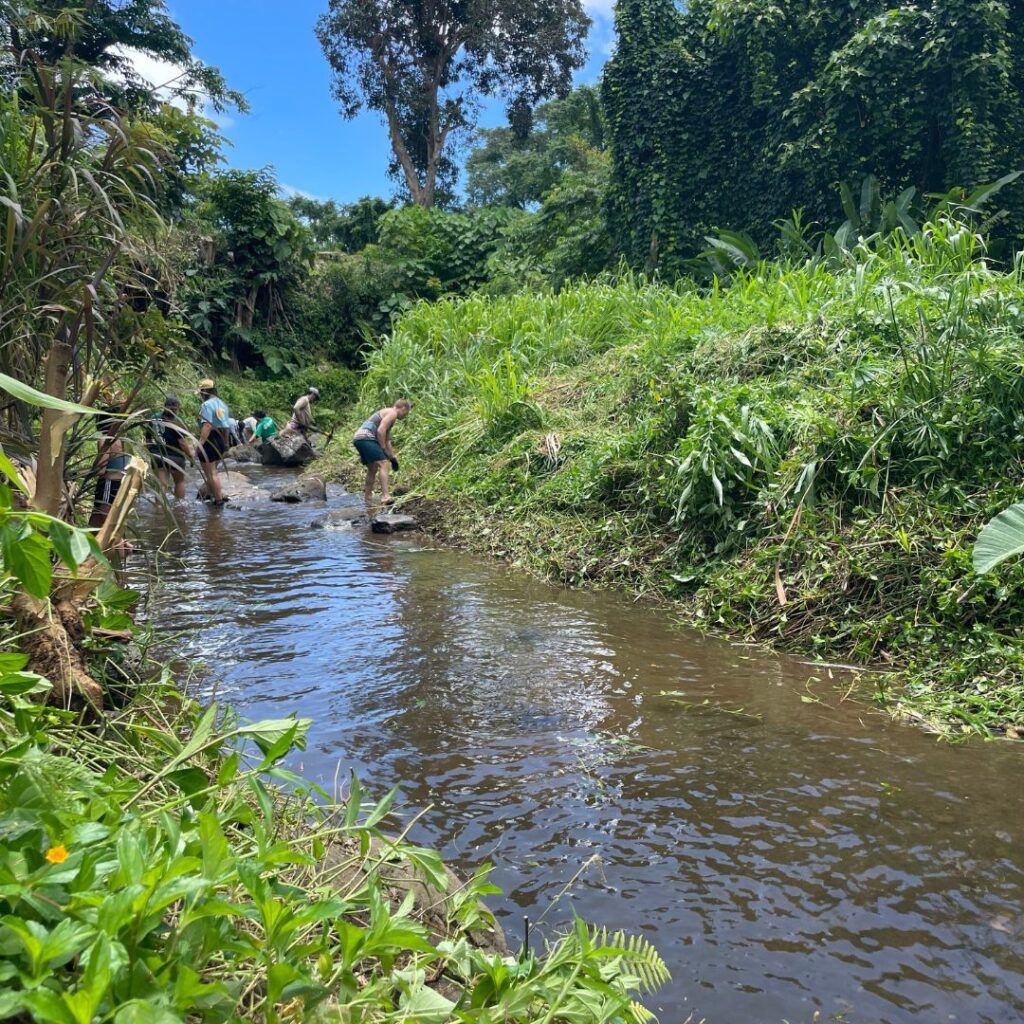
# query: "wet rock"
[243,453]
[235,487]
[341,519]
[287,449]
[393,522]
[305,488]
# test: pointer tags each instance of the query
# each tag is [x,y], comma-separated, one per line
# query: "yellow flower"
[57,854]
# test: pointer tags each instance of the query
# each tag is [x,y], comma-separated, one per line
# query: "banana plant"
[1001,538]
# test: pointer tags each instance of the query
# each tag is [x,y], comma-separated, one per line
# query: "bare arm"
[387,421]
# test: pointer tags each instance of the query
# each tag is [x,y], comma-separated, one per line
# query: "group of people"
[171,445]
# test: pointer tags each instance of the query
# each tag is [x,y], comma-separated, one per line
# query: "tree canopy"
[517,168]
[424,66]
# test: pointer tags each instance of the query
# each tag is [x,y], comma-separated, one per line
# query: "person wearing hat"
[214,437]
[169,445]
[302,412]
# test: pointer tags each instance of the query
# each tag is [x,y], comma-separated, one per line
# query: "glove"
[394,463]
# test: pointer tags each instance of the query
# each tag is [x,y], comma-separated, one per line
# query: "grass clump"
[803,457]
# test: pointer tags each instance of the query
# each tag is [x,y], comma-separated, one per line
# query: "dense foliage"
[732,113]
[803,457]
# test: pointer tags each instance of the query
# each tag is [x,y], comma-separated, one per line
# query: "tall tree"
[425,65]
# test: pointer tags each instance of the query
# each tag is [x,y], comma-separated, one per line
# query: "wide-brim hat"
[206,383]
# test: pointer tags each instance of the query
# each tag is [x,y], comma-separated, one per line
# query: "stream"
[786,850]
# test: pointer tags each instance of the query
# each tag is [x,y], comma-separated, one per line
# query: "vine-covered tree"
[425,65]
[734,112]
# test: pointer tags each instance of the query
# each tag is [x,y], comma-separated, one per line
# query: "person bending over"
[302,412]
[373,442]
[265,428]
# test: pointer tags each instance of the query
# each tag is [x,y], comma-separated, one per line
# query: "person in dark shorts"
[111,464]
[169,446]
[214,437]
[373,442]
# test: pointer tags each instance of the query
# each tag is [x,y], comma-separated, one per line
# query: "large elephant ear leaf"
[1000,539]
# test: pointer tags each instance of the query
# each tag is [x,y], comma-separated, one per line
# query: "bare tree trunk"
[49,491]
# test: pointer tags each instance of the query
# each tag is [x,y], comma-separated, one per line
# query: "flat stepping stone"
[393,522]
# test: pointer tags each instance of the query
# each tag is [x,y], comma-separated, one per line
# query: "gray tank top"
[369,427]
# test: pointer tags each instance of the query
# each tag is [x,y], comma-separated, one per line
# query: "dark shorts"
[166,459]
[370,451]
[212,449]
[106,491]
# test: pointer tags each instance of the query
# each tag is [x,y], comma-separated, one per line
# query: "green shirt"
[265,428]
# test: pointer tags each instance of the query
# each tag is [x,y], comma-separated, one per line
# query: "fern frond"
[643,959]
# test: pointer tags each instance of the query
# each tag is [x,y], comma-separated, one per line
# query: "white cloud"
[159,73]
[290,190]
[163,75]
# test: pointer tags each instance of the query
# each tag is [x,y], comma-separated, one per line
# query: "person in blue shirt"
[214,437]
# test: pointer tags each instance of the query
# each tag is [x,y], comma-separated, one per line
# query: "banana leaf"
[1001,538]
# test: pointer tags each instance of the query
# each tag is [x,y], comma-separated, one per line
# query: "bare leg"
[163,476]
[384,471]
[179,483]
[371,475]
[212,480]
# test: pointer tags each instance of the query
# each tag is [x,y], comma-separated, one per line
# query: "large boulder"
[393,522]
[289,448]
[341,518]
[235,487]
[305,488]
[243,453]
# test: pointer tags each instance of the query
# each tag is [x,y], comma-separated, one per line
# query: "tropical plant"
[1000,539]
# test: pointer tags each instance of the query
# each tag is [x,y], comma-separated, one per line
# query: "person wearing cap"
[302,412]
[214,437]
[169,446]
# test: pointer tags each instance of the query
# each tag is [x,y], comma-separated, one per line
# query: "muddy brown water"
[801,856]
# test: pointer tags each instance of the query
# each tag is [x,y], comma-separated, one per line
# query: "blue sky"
[266,49]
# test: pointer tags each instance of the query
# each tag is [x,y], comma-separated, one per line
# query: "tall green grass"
[827,434]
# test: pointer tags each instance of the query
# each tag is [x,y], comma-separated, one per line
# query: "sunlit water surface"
[804,855]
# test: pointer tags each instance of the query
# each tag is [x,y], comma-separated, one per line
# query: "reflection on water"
[799,856]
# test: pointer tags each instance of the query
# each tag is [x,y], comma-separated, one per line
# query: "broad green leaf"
[1001,538]
[426,1006]
[17,684]
[269,731]
[24,393]
[28,560]
[71,545]
[10,471]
